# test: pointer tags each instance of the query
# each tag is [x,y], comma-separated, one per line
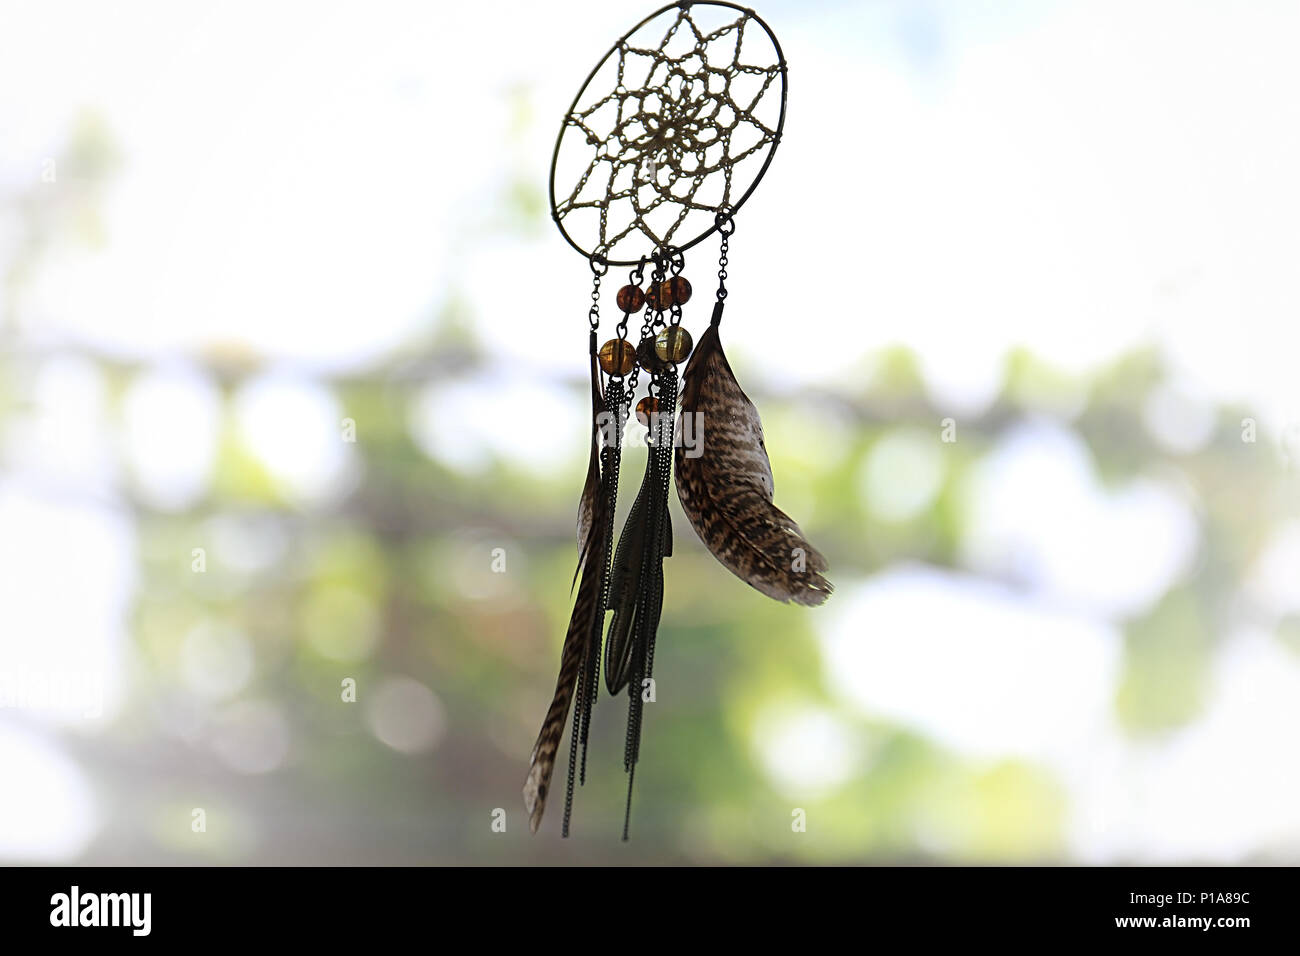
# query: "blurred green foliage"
[393,579]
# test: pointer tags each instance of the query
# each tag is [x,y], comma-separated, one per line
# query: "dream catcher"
[663,144]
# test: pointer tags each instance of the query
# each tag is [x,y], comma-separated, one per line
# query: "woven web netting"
[675,124]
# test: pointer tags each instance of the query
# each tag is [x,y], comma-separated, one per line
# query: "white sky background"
[310,180]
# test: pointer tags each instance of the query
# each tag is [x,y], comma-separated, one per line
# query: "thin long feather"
[584,622]
[624,575]
[726,490]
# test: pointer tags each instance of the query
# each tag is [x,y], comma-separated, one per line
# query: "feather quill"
[726,489]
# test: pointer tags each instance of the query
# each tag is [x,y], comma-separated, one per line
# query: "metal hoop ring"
[783,69]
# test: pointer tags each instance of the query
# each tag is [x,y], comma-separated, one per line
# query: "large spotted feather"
[724,481]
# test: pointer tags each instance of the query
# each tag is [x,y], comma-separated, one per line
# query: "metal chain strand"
[598,268]
[616,408]
[664,451]
[660,275]
[726,226]
[616,412]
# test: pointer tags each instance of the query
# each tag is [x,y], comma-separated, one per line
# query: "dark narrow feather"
[624,575]
[625,599]
[726,490]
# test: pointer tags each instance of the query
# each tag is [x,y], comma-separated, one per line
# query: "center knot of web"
[669,134]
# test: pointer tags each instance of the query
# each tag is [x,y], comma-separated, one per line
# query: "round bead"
[645,408]
[630,298]
[653,297]
[648,357]
[674,291]
[617,357]
[673,344]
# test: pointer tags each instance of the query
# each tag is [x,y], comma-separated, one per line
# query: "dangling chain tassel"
[726,226]
[663,458]
[656,544]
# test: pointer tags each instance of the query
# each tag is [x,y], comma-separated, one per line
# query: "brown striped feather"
[584,622]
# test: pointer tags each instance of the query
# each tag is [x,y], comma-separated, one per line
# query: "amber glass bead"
[630,298]
[649,359]
[674,291]
[617,357]
[645,408]
[673,344]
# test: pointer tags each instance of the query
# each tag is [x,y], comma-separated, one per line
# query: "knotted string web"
[684,132]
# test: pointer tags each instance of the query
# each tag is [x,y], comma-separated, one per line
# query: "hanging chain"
[598,268]
[677,265]
[726,226]
[647,326]
[633,279]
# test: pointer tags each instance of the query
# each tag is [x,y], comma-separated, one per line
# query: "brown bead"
[630,298]
[649,359]
[617,357]
[652,297]
[645,408]
[674,291]
[673,344]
